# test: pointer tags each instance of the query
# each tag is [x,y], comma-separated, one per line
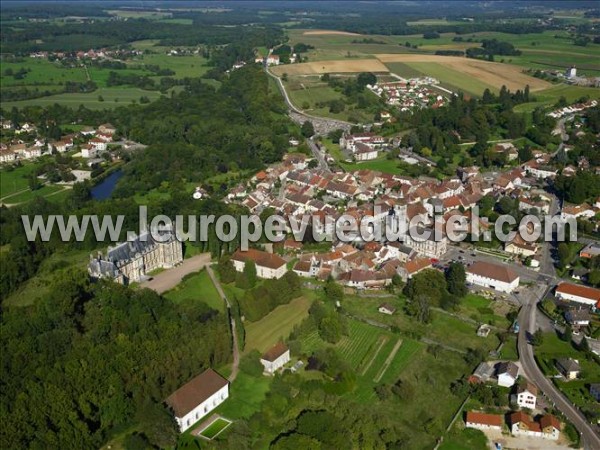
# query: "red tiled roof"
[261,258]
[580,291]
[275,352]
[549,421]
[484,419]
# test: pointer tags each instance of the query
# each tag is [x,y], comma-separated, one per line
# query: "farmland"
[277,325]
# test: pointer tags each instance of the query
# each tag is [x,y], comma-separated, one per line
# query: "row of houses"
[520,424]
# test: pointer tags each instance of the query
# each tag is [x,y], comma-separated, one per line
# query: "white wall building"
[268,265]
[526,396]
[275,358]
[197,398]
[483,421]
[577,293]
[494,276]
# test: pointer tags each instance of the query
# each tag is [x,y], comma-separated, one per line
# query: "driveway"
[170,278]
[523,442]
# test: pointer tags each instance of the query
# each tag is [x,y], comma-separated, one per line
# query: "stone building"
[131,261]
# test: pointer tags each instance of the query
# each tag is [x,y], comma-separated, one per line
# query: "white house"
[268,265]
[507,373]
[197,398]
[483,421]
[89,151]
[275,358]
[386,308]
[577,293]
[98,144]
[547,427]
[495,276]
[7,155]
[526,396]
[364,152]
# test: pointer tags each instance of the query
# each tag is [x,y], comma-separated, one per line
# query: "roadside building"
[495,276]
[525,395]
[569,367]
[507,373]
[577,293]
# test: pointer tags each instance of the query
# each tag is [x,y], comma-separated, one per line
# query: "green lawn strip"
[215,428]
[246,395]
[26,196]
[15,180]
[198,287]
[277,325]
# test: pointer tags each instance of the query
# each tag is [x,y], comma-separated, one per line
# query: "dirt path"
[234,338]
[388,361]
[383,340]
[168,279]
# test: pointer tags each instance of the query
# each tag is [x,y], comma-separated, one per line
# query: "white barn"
[495,276]
[577,293]
[275,358]
[197,398]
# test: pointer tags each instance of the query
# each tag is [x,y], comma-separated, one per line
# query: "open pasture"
[328,32]
[318,67]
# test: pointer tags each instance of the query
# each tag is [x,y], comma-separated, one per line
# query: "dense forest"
[90,360]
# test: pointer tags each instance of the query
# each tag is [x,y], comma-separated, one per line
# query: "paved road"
[318,154]
[527,319]
[235,348]
[322,125]
[168,279]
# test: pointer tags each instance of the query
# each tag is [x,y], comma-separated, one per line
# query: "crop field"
[489,73]
[277,325]
[103,98]
[40,73]
[328,32]
[349,66]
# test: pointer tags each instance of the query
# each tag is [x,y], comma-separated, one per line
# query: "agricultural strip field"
[489,73]
[277,325]
[347,66]
[197,286]
[103,98]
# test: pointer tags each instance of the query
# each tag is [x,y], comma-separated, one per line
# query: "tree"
[549,306]
[537,338]
[226,270]
[307,129]
[330,329]
[334,291]
[567,334]
[564,254]
[419,308]
[594,278]
[250,273]
[456,279]
[365,78]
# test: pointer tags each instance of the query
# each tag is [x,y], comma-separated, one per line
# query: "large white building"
[275,358]
[268,265]
[577,293]
[197,398]
[483,421]
[494,276]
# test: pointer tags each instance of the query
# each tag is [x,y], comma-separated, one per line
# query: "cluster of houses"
[300,194]
[572,109]
[409,94]
[94,142]
[94,54]
[524,396]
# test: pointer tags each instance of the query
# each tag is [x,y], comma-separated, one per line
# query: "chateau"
[131,261]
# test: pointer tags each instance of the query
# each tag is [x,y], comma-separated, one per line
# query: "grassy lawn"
[481,309]
[509,349]
[246,395]
[277,325]
[15,180]
[44,191]
[197,286]
[215,428]
[465,439]
[549,97]
[381,164]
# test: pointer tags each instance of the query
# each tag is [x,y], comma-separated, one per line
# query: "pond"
[104,189]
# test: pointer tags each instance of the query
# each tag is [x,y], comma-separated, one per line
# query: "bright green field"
[246,395]
[43,74]
[113,98]
[215,428]
[548,97]
[47,191]
[276,326]
[12,181]
[198,287]
[382,164]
